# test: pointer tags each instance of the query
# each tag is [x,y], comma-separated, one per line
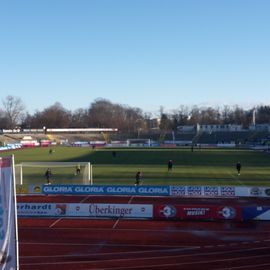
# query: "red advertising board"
[166,211]
[228,212]
[196,212]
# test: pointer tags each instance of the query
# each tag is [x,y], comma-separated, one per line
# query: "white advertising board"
[112,210]
[8,216]
[107,210]
[219,191]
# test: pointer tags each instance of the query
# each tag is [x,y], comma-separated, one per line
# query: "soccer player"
[78,169]
[138,178]
[238,167]
[170,165]
[48,175]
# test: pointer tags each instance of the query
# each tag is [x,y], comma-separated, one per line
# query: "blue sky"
[140,53]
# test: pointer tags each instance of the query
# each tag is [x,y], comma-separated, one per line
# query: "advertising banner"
[112,210]
[256,212]
[41,209]
[167,211]
[219,191]
[107,210]
[35,189]
[106,190]
[227,212]
[203,191]
[8,216]
[259,191]
[196,212]
[143,190]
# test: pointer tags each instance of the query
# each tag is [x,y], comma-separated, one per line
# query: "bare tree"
[129,120]
[14,110]
[3,120]
[79,118]
[263,114]
[181,116]
[166,123]
[103,113]
[56,116]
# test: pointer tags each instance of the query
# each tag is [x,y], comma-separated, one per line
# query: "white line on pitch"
[236,178]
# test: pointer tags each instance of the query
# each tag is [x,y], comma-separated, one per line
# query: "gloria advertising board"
[199,212]
[106,190]
[177,191]
[107,210]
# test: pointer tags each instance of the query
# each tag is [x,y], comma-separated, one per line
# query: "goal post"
[139,142]
[62,173]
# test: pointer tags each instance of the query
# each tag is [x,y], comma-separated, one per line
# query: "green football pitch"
[198,167]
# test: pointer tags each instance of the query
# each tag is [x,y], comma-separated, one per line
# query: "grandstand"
[259,137]
[187,137]
[235,137]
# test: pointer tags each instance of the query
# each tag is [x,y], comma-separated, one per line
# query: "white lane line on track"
[59,219]
[250,266]
[54,223]
[194,248]
[85,199]
[117,221]
[107,245]
[212,261]
[256,241]
[148,246]
[140,252]
[172,230]
[130,199]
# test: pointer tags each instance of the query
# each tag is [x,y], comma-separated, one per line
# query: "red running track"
[83,244]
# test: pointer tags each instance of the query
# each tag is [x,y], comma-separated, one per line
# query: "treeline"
[104,114]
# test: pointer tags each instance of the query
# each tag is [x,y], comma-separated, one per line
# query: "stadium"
[135,135]
[98,219]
